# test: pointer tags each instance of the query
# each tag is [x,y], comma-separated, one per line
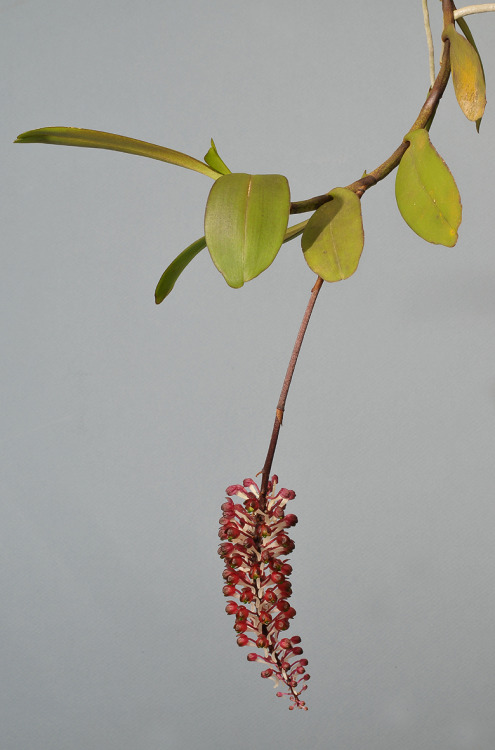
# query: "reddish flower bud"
[242,613]
[228,506]
[265,617]
[250,483]
[235,489]
[230,576]
[270,596]
[231,531]
[284,643]
[261,641]
[255,571]
[252,657]
[236,561]
[231,608]
[290,520]
[267,673]
[283,605]
[285,542]
[246,596]
[225,548]
[229,590]
[266,556]
[242,640]
[240,626]
[263,530]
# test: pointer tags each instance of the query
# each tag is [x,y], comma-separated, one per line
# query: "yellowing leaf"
[426,192]
[97,139]
[467,74]
[333,240]
[245,223]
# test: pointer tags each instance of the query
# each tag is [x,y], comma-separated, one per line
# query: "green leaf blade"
[333,239]
[426,193]
[174,270]
[62,136]
[245,224]
[214,160]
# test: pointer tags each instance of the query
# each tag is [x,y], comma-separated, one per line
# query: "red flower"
[254,543]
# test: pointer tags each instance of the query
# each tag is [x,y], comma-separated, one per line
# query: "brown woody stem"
[426,115]
[424,119]
[279,414]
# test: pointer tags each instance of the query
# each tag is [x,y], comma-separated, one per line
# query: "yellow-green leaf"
[172,273]
[333,239]
[213,159]
[245,223]
[467,74]
[426,192]
[97,139]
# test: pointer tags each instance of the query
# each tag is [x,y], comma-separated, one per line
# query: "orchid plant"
[246,223]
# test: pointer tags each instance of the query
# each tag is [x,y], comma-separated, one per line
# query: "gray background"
[123,422]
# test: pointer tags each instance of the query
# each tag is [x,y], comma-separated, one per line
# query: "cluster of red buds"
[254,547]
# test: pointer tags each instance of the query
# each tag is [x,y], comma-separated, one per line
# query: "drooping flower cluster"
[254,547]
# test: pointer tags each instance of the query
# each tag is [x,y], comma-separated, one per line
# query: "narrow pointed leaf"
[333,240]
[426,192]
[213,159]
[467,74]
[245,223]
[97,139]
[172,273]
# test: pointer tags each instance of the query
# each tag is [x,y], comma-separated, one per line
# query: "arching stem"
[285,389]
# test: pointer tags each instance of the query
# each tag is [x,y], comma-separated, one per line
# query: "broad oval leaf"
[426,192]
[172,273]
[98,139]
[333,239]
[214,160]
[245,223]
[467,74]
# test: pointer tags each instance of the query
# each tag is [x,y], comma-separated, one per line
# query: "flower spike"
[253,547]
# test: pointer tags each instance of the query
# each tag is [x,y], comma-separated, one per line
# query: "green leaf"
[172,273]
[245,223]
[333,240]
[97,139]
[426,192]
[467,74]
[215,162]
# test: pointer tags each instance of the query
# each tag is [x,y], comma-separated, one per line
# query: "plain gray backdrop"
[123,422]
